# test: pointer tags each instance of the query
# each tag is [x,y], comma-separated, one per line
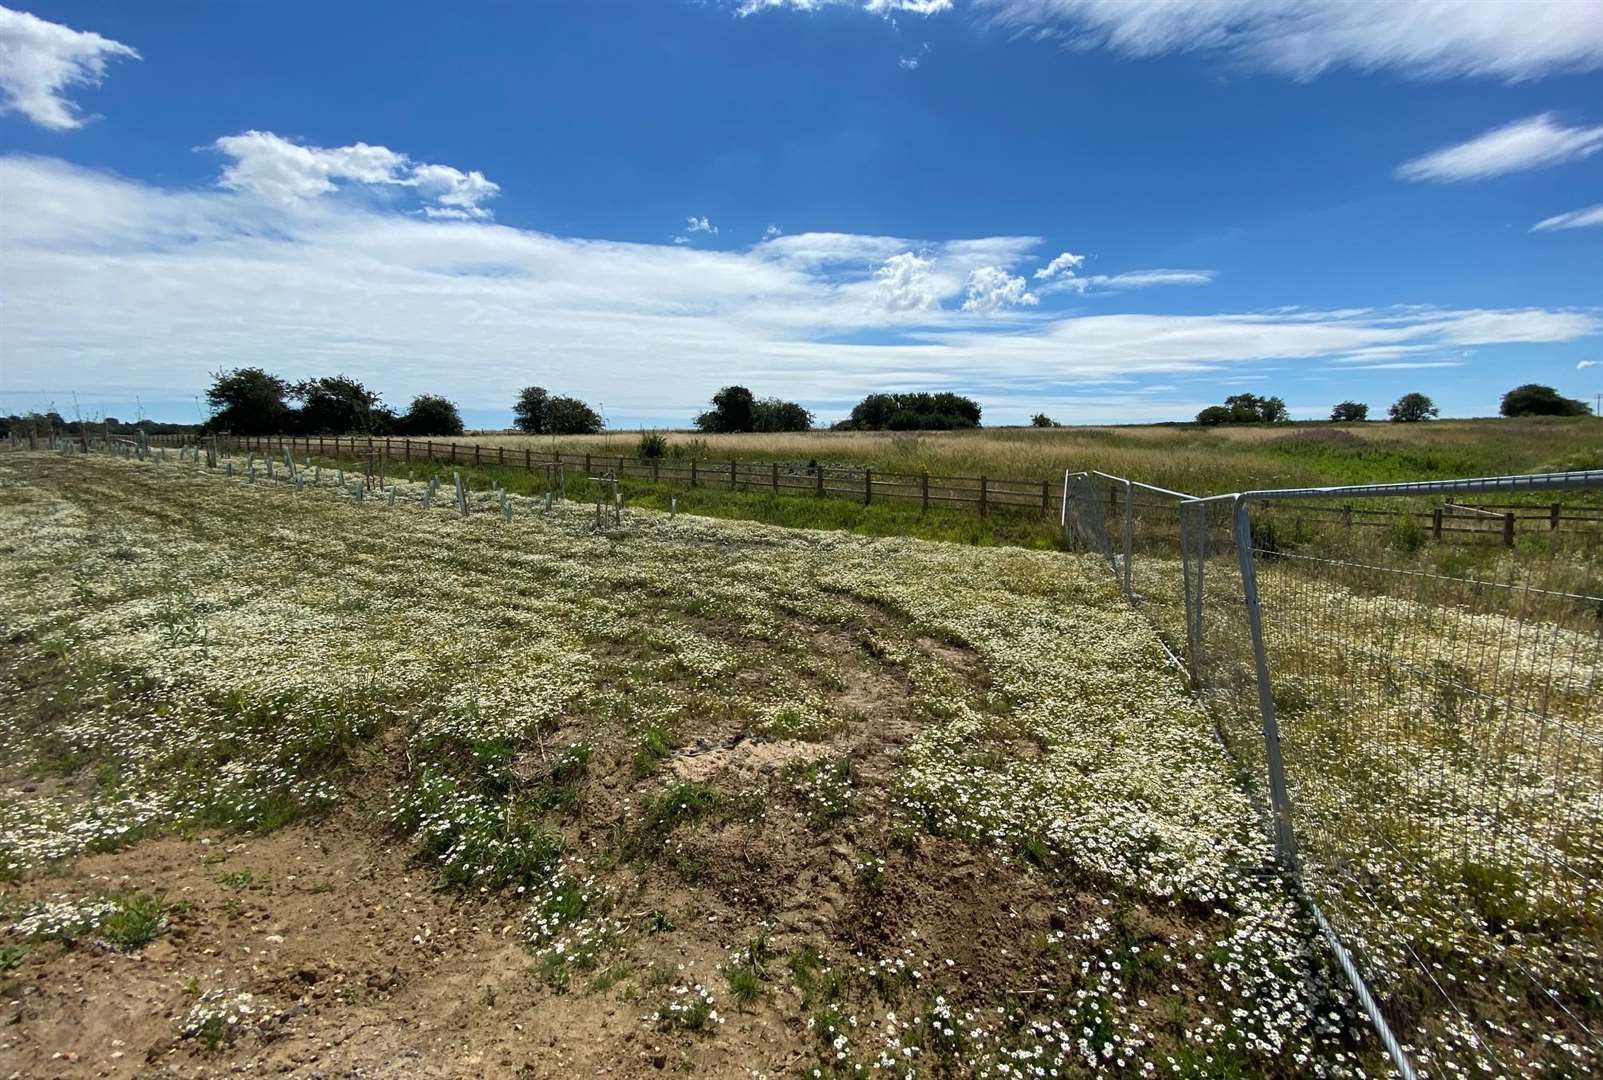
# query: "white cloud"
[1532,143]
[1584,364]
[1066,263]
[1588,217]
[127,288]
[39,60]
[990,288]
[700,224]
[1131,279]
[289,174]
[1506,39]
[772,231]
[905,283]
[885,8]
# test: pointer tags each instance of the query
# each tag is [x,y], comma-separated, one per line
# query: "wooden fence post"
[1043,498]
[428,449]
[924,493]
[692,472]
[774,476]
[732,468]
[587,464]
[656,470]
[1552,522]
[1508,529]
[500,455]
[406,450]
[818,480]
[983,486]
[528,460]
[868,485]
[475,453]
[1436,524]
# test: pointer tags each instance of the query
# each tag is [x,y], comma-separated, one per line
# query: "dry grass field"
[1201,461]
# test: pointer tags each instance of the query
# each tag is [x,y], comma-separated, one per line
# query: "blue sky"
[1110,211]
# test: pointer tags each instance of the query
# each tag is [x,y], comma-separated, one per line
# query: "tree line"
[1531,399]
[251,401]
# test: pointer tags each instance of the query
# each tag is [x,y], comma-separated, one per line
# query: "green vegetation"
[1534,399]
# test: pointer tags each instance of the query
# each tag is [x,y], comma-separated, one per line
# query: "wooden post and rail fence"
[981,494]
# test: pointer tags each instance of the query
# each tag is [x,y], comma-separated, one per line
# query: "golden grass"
[1185,457]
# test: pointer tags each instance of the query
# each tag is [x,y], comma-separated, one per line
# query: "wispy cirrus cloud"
[1585,218]
[40,60]
[1505,39]
[1533,143]
[183,281]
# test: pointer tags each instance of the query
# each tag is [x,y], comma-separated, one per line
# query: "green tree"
[1412,408]
[733,409]
[772,414]
[1213,415]
[340,405]
[1252,409]
[570,416]
[913,412]
[529,412]
[1534,399]
[1040,419]
[249,401]
[1350,412]
[430,414]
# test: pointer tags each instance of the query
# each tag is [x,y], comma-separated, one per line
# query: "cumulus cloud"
[179,281]
[1065,264]
[772,231]
[1504,39]
[39,60]
[1532,143]
[288,174]
[700,224]
[990,288]
[1588,217]
[905,283]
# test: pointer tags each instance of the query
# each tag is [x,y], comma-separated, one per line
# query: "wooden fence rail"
[865,483]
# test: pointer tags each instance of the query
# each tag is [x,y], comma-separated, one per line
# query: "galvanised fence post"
[1279,800]
[1129,536]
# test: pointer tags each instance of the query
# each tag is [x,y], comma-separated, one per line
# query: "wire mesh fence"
[1423,723]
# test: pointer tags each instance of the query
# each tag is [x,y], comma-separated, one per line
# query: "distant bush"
[570,416]
[1040,419]
[1412,408]
[735,409]
[771,414]
[430,414]
[653,444]
[1245,409]
[1534,399]
[1350,412]
[912,412]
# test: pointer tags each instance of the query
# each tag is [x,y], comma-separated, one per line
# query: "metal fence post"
[1193,554]
[1129,537]
[1280,801]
